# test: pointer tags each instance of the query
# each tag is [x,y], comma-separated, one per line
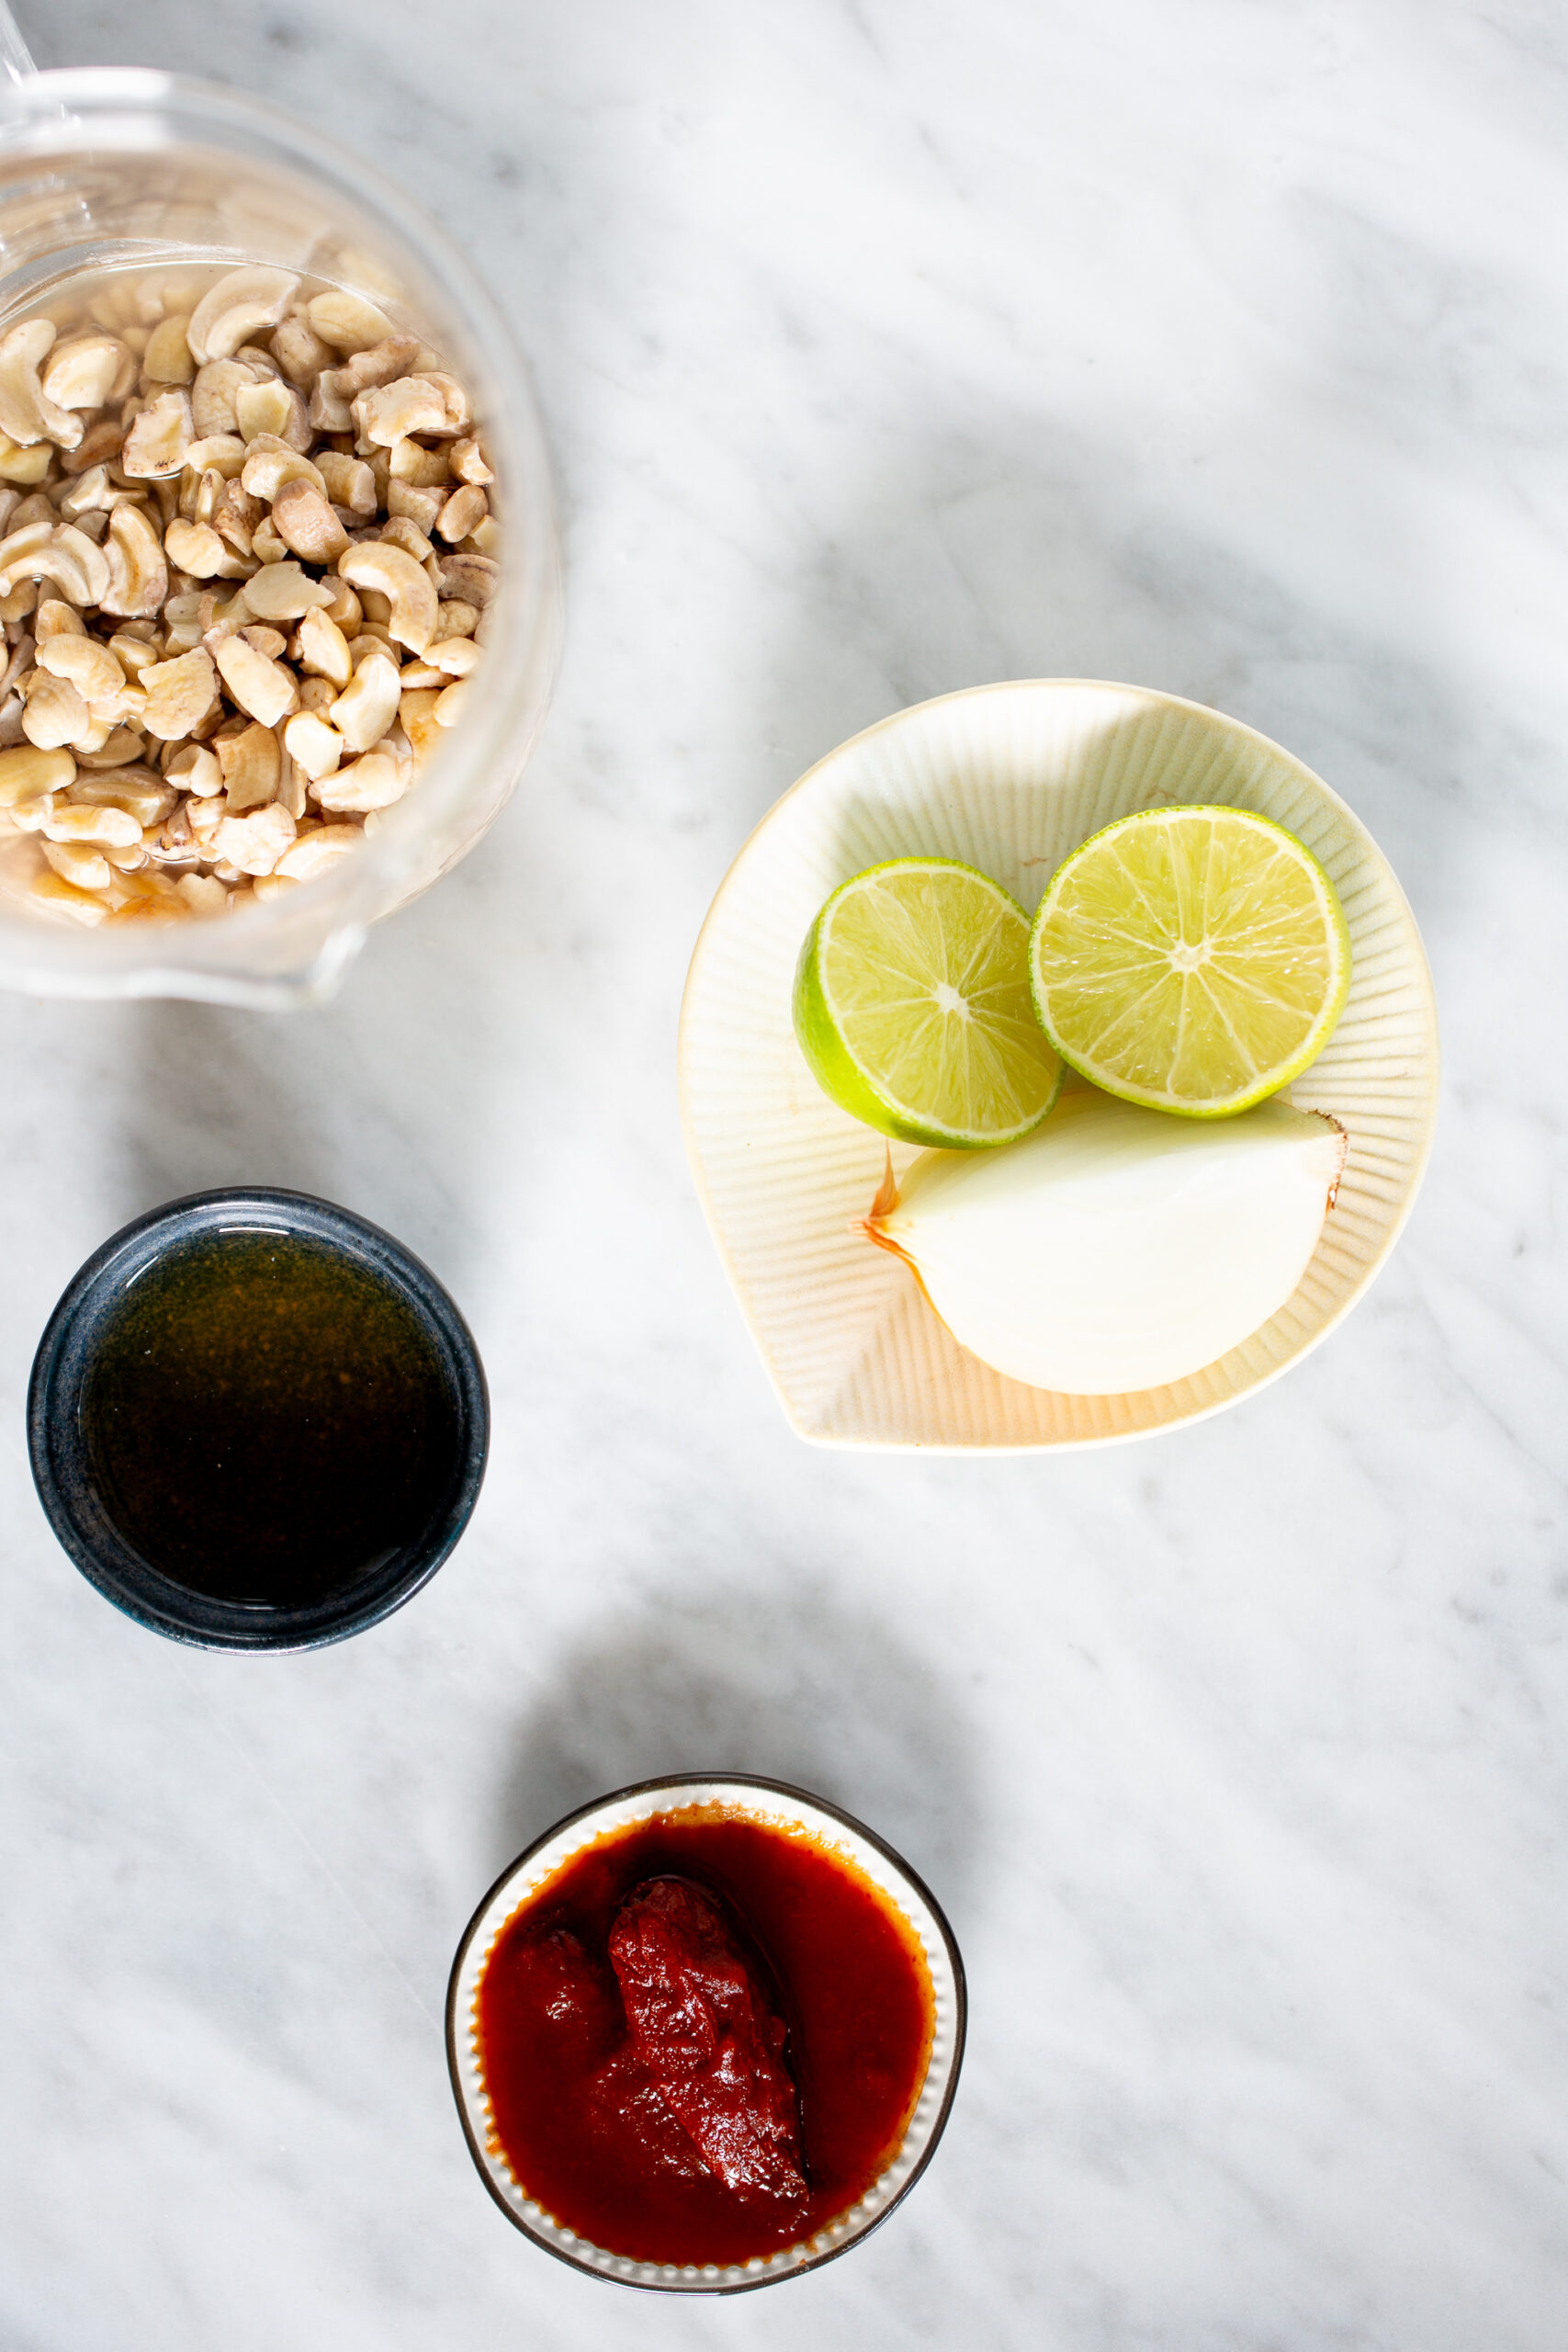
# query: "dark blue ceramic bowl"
[62,1471]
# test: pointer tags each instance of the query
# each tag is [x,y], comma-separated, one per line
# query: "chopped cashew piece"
[270,462]
[255,844]
[393,573]
[281,591]
[232,503]
[348,481]
[315,851]
[195,769]
[300,351]
[82,373]
[369,704]
[324,649]
[203,893]
[26,771]
[168,356]
[390,413]
[305,521]
[373,781]
[53,890]
[220,453]
[234,308]
[139,575]
[463,514]
[312,745]
[159,438]
[272,407]
[416,716]
[26,413]
[250,765]
[468,463]
[346,321]
[195,547]
[75,822]
[263,689]
[148,801]
[80,863]
[456,655]
[55,713]
[179,693]
[90,666]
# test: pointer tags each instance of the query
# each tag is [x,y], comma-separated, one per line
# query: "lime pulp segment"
[1192,959]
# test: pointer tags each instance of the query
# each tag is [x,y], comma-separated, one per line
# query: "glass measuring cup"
[129,170]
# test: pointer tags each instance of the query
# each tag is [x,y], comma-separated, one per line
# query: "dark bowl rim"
[321,1623]
[741,1781]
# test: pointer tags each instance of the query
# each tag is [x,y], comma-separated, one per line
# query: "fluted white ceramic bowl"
[1009,778]
[781,1806]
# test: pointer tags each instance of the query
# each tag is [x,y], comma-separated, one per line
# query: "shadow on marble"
[790,1687]
[361,1100]
[219,1101]
[1009,548]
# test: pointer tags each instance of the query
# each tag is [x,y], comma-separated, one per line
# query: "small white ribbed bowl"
[767,1801]
[1009,778]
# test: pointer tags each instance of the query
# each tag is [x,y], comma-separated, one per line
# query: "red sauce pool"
[834,1961]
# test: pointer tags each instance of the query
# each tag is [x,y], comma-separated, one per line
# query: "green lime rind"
[1046,955]
[875,1044]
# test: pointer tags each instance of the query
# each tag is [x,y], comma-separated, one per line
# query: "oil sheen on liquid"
[267,1420]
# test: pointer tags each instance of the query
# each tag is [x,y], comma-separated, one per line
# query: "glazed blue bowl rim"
[57,1455]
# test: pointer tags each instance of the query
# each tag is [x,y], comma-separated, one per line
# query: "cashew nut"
[270,462]
[273,408]
[313,745]
[391,573]
[84,372]
[64,554]
[263,689]
[281,591]
[179,693]
[250,763]
[324,649]
[304,522]
[346,321]
[374,781]
[389,413]
[138,576]
[168,356]
[463,513]
[348,481]
[27,770]
[26,413]
[368,704]
[313,853]
[253,844]
[90,666]
[234,308]
[77,821]
[160,439]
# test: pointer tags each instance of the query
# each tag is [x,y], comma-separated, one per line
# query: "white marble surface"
[885,346]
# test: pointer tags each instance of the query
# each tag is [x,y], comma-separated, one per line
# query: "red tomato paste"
[702,2039]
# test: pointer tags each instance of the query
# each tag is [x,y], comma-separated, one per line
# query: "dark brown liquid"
[267,1421]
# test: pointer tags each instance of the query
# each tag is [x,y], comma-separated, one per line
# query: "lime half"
[1194,959]
[912,1006]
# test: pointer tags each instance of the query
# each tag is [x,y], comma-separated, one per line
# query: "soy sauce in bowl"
[257,1421]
